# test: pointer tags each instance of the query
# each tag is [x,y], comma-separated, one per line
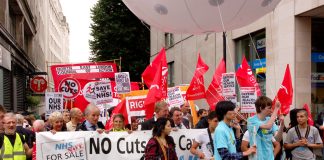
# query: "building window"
[171,74]
[169,40]
[254,49]
[317,68]
[12,23]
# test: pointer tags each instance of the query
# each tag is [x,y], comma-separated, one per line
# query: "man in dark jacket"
[92,122]
[161,110]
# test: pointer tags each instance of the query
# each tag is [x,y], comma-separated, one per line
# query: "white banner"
[228,83]
[175,98]
[248,97]
[122,82]
[98,92]
[88,145]
[53,102]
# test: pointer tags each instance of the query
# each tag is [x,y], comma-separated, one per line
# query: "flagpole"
[224,48]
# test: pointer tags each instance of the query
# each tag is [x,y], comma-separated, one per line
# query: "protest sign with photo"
[122,82]
[175,97]
[248,98]
[89,145]
[53,102]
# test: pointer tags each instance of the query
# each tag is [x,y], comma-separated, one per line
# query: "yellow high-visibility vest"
[9,152]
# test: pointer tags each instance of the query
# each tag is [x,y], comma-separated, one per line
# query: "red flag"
[245,77]
[196,88]
[310,120]
[154,94]
[285,92]
[149,73]
[214,91]
[120,108]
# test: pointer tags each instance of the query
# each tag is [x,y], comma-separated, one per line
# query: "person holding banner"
[261,127]
[56,122]
[161,145]
[224,138]
[92,123]
[13,145]
[206,140]
[161,110]
[118,123]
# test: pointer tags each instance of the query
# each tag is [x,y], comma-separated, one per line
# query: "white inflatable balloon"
[199,16]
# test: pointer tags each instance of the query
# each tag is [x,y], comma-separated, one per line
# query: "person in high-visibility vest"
[13,145]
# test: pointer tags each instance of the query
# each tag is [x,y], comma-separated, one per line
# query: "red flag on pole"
[154,94]
[196,88]
[285,92]
[214,91]
[310,120]
[245,77]
[149,73]
[120,108]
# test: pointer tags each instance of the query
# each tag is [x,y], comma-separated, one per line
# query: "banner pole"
[65,104]
[120,64]
[71,104]
[142,83]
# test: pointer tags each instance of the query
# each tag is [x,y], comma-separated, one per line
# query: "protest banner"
[81,102]
[70,88]
[248,97]
[135,108]
[53,102]
[228,82]
[175,98]
[122,82]
[89,145]
[98,92]
[82,71]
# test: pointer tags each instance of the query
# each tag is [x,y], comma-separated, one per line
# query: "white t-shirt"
[204,142]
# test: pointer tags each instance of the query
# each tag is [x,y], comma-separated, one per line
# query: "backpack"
[288,151]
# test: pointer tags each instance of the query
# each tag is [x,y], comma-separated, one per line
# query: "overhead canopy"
[199,16]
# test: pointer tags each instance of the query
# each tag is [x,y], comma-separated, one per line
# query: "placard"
[248,98]
[175,98]
[122,82]
[228,83]
[53,102]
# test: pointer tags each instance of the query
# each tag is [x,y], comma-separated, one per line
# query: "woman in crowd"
[161,145]
[118,123]
[57,123]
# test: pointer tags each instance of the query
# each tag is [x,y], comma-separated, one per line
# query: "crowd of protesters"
[230,135]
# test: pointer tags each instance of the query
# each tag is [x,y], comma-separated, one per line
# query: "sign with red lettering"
[98,92]
[38,84]
[135,107]
[70,88]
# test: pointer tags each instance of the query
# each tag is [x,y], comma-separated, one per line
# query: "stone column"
[303,65]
